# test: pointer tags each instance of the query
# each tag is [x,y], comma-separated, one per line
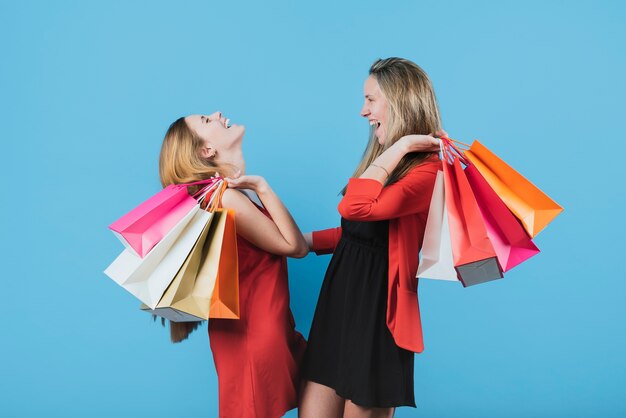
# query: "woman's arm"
[279,235]
[387,161]
[324,241]
[367,200]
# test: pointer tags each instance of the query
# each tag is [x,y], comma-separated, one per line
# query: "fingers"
[440,133]
[233,183]
[237,180]
[431,141]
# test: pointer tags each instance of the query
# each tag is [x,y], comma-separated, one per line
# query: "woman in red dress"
[257,357]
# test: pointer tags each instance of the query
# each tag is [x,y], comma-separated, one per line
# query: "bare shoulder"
[234,199]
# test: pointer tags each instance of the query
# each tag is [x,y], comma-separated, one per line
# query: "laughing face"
[375,108]
[216,131]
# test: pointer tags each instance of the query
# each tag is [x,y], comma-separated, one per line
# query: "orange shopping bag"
[225,299]
[530,205]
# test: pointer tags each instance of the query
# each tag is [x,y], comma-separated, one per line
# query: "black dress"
[350,348]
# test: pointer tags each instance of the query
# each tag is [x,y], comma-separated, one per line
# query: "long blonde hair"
[180,162]
[412,109]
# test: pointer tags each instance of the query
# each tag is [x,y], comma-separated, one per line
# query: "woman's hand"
[256,183]
[308,238]
[277,234]
[422,143]
[419,143]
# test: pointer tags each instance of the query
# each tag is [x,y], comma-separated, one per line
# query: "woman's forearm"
[283,220]
[386,162]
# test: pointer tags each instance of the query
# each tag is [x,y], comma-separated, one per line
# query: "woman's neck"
[235,158]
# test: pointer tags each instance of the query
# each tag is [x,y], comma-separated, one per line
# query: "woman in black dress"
[359,360]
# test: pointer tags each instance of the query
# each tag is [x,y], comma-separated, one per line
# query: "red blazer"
[405,204]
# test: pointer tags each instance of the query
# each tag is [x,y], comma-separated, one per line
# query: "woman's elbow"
[300,250]
[353,212]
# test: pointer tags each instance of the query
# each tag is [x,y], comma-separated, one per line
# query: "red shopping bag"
[475,259]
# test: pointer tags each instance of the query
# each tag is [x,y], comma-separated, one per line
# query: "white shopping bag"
[148,278]
[436,261]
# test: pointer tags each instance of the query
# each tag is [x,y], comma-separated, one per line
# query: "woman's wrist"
[380,167]
[406,145]
[262,187]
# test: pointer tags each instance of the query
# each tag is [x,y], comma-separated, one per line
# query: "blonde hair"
[180,162]
[412,109]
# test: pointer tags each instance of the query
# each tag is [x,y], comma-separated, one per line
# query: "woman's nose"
[365,111]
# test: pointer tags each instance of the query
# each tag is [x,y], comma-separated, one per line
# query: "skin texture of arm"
[388,160]
[279,235]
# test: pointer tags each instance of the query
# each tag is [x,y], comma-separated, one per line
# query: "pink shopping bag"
[508,237]
[143,227]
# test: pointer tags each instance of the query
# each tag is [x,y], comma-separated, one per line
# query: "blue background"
[88,89]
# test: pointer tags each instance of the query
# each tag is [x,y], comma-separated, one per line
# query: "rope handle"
[210,183]
[453,151]
[216,199]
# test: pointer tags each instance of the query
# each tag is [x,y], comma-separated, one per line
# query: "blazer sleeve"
[325,241]
[368,200]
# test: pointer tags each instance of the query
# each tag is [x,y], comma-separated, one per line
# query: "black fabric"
[350,348]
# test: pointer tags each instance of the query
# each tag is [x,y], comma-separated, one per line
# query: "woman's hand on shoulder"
[254,226]
[252,182]
[422,143]
[419,143]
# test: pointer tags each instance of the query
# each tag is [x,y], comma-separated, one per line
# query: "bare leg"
[352,410]
[319,401]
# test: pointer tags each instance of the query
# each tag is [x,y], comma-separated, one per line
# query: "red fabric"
[258,356]
[405,204]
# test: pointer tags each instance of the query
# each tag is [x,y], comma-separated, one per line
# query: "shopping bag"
[474,257]
[508,237]
[144,226]
[207,285]
[180,301]
[225,299]
[436,258]
[148,277]
[529,204]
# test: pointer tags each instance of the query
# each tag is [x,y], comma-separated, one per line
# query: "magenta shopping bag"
[507,235]
[143,227]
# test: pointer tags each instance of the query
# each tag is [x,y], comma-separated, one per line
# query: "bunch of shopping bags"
[482,218]
[180,258]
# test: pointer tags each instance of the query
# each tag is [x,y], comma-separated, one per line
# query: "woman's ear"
[207,152]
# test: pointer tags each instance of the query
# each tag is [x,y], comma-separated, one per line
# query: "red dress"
[258,356]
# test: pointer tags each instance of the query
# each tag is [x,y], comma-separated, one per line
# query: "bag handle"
[216,199]
[453,151]
[209,184]
[206,192]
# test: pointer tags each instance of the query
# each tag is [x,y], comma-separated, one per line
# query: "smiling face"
[216,133]
[375,108]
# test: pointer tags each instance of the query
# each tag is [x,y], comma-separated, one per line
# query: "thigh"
[320,401]
[352,410]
